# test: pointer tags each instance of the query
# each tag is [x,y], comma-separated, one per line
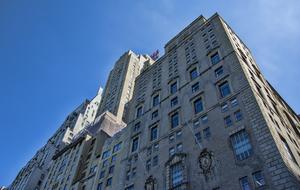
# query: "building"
[202,116]
[33,174]
[120,84]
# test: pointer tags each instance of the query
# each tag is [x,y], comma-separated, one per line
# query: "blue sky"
[56,53]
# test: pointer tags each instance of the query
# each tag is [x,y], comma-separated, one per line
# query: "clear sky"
[56,53]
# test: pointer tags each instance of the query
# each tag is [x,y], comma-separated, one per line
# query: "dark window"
[154,133]
[215,58]
[155,160]
[245,183]
[234,102]
[117,147]
[228,121]
[171,151]
[241,145]
[206,132]
[195,87]
[111,169]
[258,179]
[155,100]
[238,115]
[148,165]
[139,111]
[224,89]
[224,107]
[136,127]
[204,119]
[105,154]
[198,105]
[131,187]
[193,74]
[154,114]
[109,181]
[174,120]
[135,143]
[198,137]
[102,173]
[219,72]
[179,147]
[99,186]
[173,88]
[174,101]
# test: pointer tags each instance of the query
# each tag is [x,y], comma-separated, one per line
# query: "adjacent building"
[202,116]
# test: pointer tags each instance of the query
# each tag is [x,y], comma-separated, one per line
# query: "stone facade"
[202,116]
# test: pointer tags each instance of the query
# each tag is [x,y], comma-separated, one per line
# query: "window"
[117,147]
[224,89]
[206,132]
[128,175]
[198,137]
[171,151]
[148,165]
[154,133]
[228,121]
[178,134]
[139,111]
[196,123]
[234,102]
[133,172]
[131,187]
[198,106]
[99,186]
[102,173]
[155,100]
[174,101]
[155,147]
[224,107]
[215,58]
[219,72]
[238,115]
[241,145]
[195,87]
[174,120]
[155,161]
[179,147]
[105,154]
[105,163]
[154,114]
[245,183]
[136,127]
[204,119]
[171,138]
[111,169]
[135,143]
[258,179]
[176,177]
[109,181]
[193,74]
[173,87]
[113,158]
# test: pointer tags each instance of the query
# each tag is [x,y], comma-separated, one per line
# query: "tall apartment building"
[33,174]
[120,84]
[202,116]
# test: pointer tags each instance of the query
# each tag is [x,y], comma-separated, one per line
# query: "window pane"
[258,179]
[193,74]
[245,183]
[174,120]
[153,133]
[224,89]
[215,58]
[198,106]
[219,71]
[173,88]
[155,100]
[135,142]
[241,145]
[195,87]
[176,174]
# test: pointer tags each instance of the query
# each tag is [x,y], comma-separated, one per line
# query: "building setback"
[202,116]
